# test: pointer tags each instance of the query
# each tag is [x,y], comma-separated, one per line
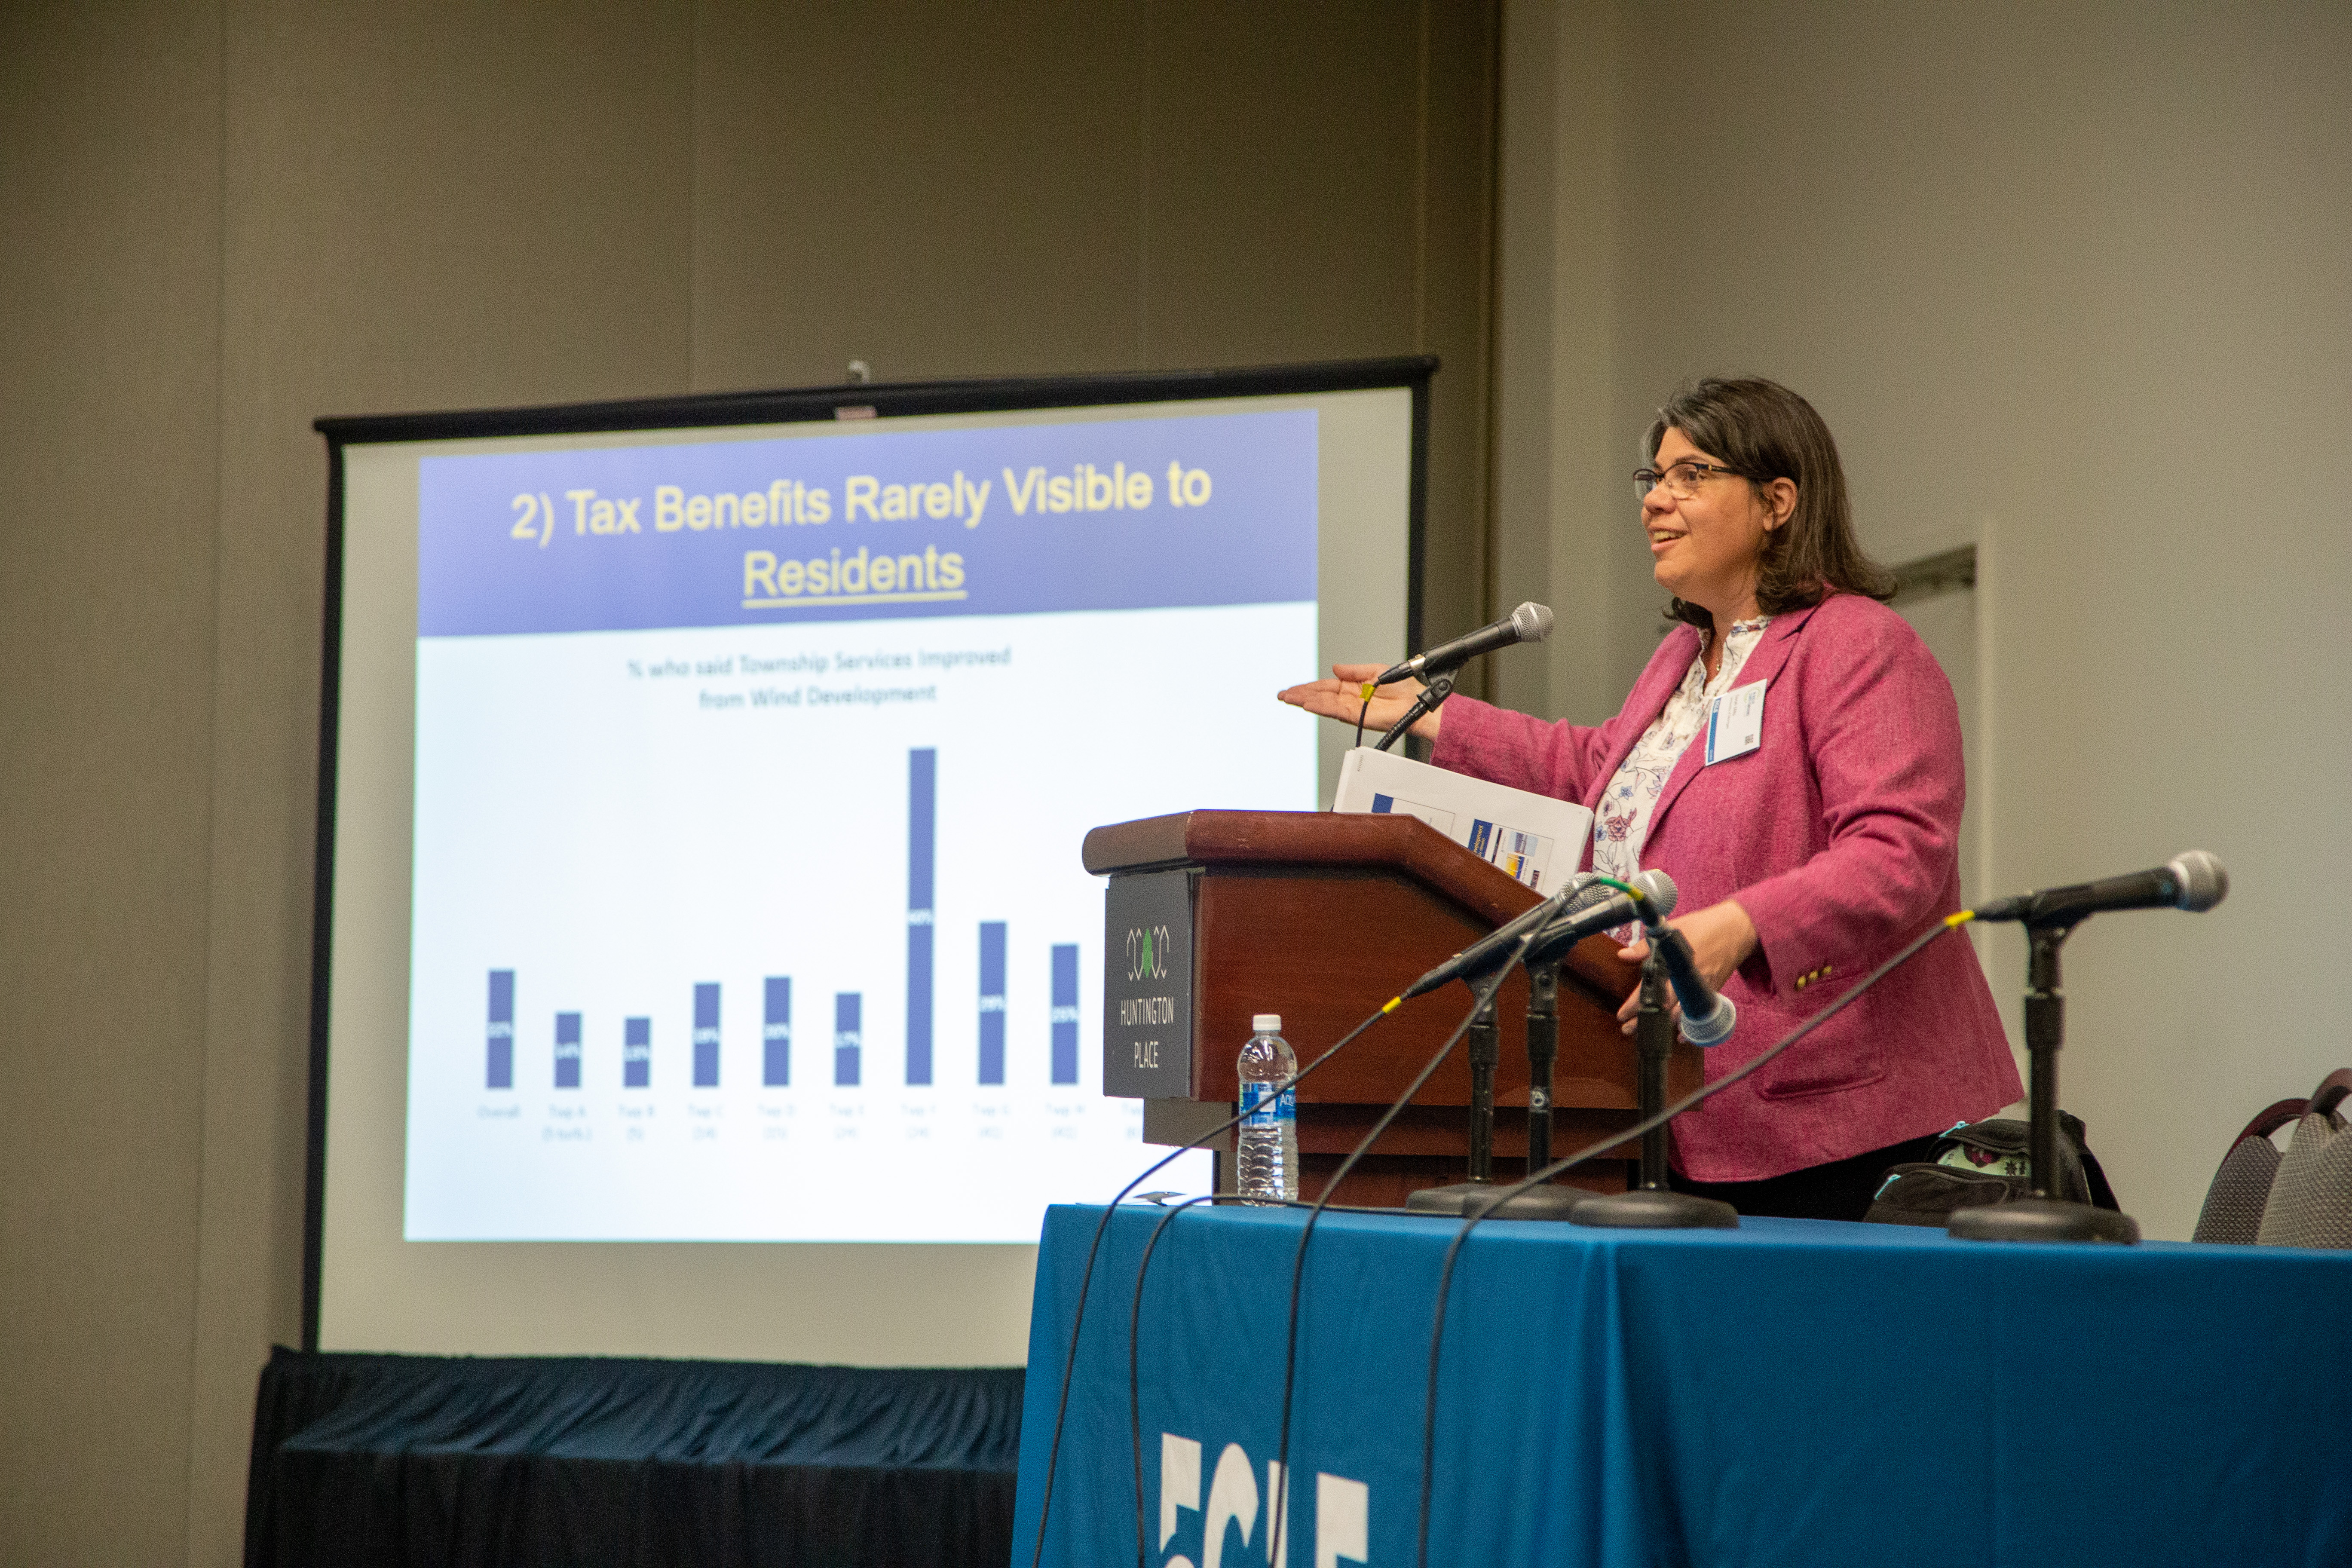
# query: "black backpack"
[1980,1163]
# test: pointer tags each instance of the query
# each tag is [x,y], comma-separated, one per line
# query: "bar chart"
[1056,1043]
[681,969]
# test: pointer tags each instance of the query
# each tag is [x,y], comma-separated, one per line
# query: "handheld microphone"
[1708,1014]
[2192,879]
[1530,623]
[1496,945]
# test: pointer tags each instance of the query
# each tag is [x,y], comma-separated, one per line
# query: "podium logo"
[1342,1511]
[1146,952]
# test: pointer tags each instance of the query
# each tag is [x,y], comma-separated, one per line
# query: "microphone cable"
[1135,1322]
[1085,1277]
[1494,984]
[1135,1338]
[1615,1140]
[1298,1259]
[1134,1370]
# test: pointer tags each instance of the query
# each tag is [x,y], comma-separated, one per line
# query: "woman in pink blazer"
[1802,861]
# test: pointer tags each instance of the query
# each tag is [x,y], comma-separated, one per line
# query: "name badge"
[1735,723]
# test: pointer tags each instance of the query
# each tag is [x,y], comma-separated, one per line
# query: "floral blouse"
[1621,826]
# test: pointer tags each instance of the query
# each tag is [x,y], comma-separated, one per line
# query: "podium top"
[1394,843]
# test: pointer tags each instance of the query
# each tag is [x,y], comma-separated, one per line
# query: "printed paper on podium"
[1534,838]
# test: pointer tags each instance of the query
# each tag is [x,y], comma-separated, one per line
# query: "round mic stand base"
[2043,1219]
[1654,1208]
[1653,1205]
[1445,1200]
[1536,1203]
[1464,1199]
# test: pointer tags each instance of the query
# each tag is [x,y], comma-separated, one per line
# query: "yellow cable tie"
[1371,688]
[1393,1003]
[1963,918]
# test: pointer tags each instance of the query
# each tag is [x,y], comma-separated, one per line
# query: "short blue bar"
[636,1053]
[705,1035]
[500,1069]
[567,1050]
[992,1002]
[848,1039]
[1064,1016]
[776,1033]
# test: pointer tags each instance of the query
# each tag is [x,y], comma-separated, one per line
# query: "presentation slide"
[750,778]
[709,966]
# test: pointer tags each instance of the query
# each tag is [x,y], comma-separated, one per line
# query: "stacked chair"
[2303,1198]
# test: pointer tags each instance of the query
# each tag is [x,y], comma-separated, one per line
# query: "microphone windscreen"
[1532,622]
[1658,888]
[2203,880]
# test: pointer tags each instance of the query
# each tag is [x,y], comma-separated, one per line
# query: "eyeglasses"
[1682,480]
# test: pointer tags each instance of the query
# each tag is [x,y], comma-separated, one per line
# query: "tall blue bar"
[501,1063]
[991,1000]
[705,1035]
[847,1040]
[636,1053]
[776,1033]
[922,824]
[567,1050]
[1064,1016]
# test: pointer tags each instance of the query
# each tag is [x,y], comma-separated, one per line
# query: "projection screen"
[704,962]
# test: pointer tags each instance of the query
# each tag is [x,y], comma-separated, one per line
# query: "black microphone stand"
[1486,1053]
[2044,1216]
[1655,1205]
[1433,697]
[1543,1052]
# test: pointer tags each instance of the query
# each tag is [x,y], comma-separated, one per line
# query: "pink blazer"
[1839,835]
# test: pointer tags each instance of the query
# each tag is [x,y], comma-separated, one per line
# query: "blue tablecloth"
[1795,1391]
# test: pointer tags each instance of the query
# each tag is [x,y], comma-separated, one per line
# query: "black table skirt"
[379,1460]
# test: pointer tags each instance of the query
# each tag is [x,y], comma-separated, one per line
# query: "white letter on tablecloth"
[1180,1480]
[1233,1495]
[1342,1508]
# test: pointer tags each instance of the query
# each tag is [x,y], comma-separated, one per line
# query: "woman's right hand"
[1342,698]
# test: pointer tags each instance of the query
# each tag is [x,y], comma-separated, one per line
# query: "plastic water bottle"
[1268,1145]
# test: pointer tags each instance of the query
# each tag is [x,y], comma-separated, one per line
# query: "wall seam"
[694,196]
[1143,209]
[190,1501]
[1490,522]
[1421,188]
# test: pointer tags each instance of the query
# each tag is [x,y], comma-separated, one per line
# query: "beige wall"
[2071,283]
[225,221]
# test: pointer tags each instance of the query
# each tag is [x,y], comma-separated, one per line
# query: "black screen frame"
[782,407]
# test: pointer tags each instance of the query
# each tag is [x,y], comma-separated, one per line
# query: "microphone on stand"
[1530,622]
[1576,923]
[1708,1014]
[2192,879]
[1496,946]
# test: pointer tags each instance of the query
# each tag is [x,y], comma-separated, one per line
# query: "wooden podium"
[1321,916]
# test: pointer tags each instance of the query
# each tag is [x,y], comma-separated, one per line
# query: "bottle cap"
[1266,1023]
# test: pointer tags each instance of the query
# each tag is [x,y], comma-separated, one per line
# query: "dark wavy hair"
[1763,431]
